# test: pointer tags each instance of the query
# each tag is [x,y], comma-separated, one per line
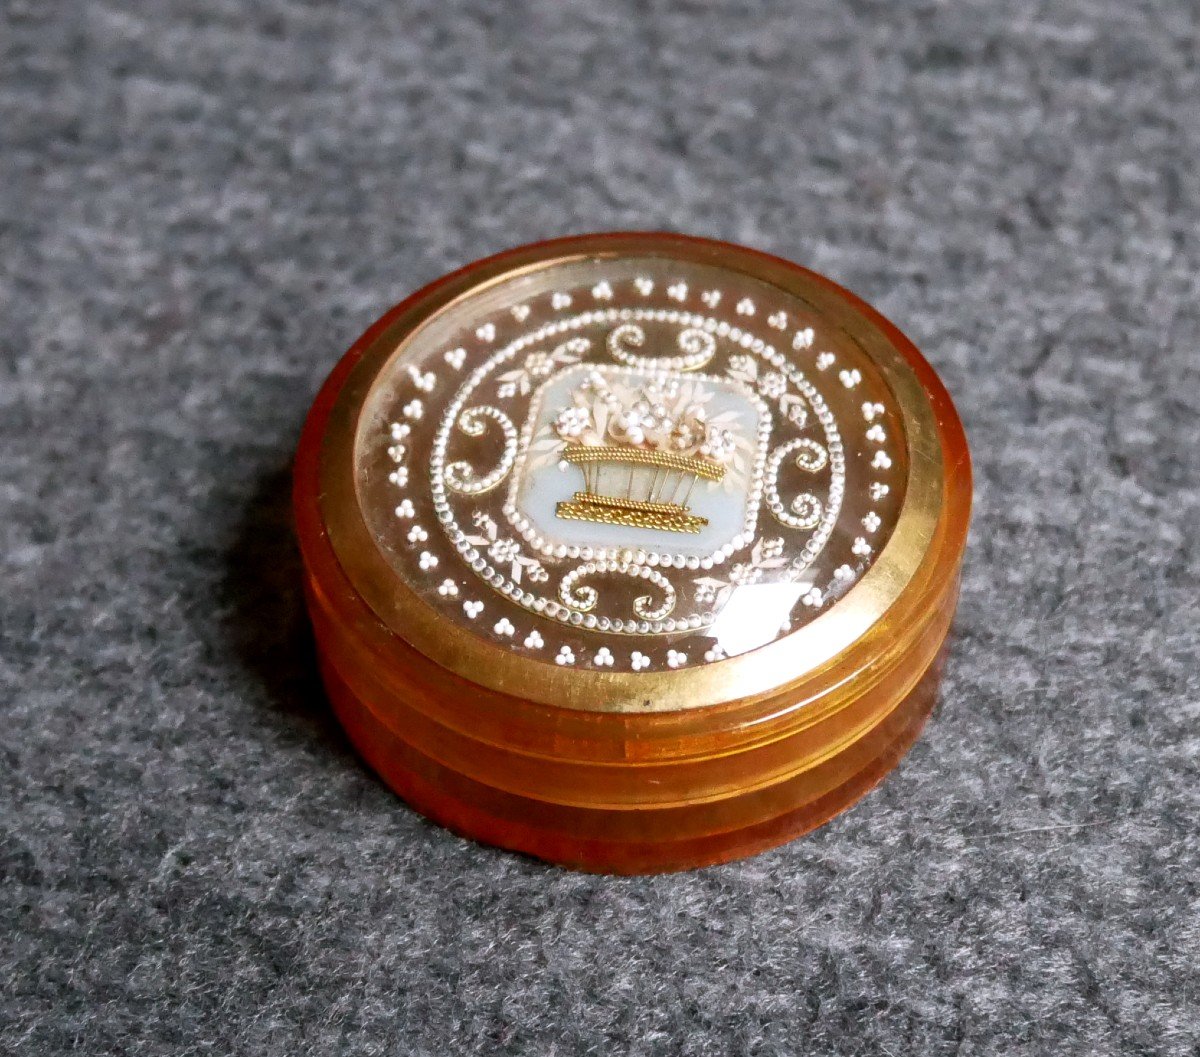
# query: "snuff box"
[634,552]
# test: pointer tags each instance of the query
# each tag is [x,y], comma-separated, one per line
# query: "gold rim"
[785,661]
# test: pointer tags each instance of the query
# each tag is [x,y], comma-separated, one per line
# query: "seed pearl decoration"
[576,601]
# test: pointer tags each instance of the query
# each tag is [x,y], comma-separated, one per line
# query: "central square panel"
[621,459]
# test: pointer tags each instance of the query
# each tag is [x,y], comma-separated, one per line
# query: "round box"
[634,552]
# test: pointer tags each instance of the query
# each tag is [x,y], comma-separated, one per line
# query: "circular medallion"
[636,464]
[630,535]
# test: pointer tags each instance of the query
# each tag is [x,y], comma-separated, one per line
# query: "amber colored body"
[632,793]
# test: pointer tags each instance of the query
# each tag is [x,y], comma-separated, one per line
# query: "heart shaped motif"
[560,300]
[472,609]
[872,411]
[423,380]
[825,361]
[803,339]
[712,298]
[456,358]
[602,291]
[745,307]
[850,378]
[678,291]
[487,332]
[778,320]
[520,313]
[533,641]
[644,286]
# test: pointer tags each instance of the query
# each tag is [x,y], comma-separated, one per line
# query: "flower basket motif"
[642,452]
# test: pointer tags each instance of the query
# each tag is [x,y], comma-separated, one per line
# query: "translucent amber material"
[632,552]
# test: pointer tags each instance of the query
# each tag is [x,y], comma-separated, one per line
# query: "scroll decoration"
[460,475]
[583,598]
[805,510]
[696,346]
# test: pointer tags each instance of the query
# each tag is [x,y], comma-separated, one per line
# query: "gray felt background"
[203,202]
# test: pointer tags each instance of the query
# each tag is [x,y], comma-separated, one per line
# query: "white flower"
[718,444]
[565,656]
[675,658]
[504,551]
[572,422]
[772,548]
[603,658]
[772,385]
[742,574]
[427,561]
[448,589]
[539,364]
[872,521]
[638,661]
[504,627]
[627,427]
[685,437]
[742,364]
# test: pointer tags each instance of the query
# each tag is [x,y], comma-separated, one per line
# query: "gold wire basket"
[636,487]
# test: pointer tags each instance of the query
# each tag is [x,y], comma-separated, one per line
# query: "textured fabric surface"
[203,202]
